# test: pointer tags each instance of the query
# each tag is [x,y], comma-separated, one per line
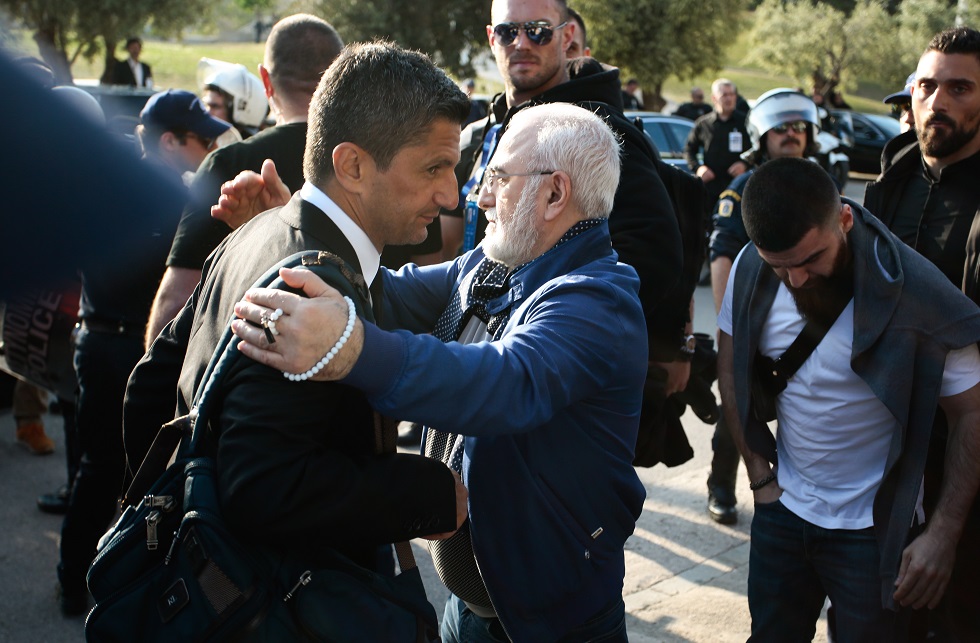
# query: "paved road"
[685,579]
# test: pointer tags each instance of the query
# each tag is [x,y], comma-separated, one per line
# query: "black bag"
[766,384]
[170,570]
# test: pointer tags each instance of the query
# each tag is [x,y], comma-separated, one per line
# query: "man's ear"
[266,81]
[168,142]
[846,218]
[559,191]
[351,166]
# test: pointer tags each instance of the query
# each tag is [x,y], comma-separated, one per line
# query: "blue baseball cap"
[179,109]
[904,96]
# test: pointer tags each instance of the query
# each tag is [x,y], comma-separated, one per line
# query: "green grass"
[175,64]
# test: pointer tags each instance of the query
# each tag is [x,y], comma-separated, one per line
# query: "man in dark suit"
[296,463]
[131,71]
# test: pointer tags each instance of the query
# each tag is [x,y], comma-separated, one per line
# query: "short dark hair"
[380,97]
[299,49]
[786,198]
[959,40]
[131,40]
[577,17]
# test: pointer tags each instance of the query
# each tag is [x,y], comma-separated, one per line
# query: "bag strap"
[806,342]
[192,427]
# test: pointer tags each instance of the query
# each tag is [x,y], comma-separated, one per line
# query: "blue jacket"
[551,410]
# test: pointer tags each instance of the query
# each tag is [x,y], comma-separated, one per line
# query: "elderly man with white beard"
[531,377]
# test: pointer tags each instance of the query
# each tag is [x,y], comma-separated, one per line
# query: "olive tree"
[820,46]
[451,32]
[656,39]
[65,30]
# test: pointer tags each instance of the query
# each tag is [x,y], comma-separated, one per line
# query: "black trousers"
[103,363]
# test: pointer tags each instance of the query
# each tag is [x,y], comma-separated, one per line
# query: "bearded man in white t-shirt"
[838,508]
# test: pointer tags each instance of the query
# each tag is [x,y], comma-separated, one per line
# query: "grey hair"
[581,144]
[719,83]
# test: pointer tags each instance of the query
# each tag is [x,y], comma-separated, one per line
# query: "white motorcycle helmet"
[778,106]
[249,104]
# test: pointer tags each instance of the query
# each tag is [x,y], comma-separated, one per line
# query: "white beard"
[512,242]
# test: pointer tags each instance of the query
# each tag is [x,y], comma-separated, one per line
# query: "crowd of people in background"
[538,250]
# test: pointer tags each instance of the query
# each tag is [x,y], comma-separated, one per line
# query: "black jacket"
[957,251]
[644,230]
[296,463]
[122,73]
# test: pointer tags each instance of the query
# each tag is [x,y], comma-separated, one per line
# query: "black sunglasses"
[899,109]
[797,126]
[539,32]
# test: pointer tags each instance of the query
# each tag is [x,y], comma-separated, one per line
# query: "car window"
[863,129]
[659,136]
[680,132]
[890,126]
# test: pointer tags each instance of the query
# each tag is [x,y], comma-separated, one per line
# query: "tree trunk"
[654,102]
[53,54]
[110,59]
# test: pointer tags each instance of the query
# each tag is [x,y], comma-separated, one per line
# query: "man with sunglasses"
[176,132]
[929,196]
[901,103]
[783,124]
[529,40]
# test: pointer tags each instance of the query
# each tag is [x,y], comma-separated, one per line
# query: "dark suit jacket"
[296,461]
[122,74]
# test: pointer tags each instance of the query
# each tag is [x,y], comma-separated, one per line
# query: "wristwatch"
[687,348]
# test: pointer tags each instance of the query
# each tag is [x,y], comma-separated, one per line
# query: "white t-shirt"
[833,434]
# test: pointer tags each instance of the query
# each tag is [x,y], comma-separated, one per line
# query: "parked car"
[668,134]
[121,104]
[871,132]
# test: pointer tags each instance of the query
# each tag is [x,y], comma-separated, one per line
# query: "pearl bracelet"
[351,316]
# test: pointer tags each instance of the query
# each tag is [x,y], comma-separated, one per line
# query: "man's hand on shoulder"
[305,331]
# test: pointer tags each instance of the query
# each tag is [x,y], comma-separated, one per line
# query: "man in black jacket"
[131,71]
[529,40]
[297,469]
[929,197]
[720,136]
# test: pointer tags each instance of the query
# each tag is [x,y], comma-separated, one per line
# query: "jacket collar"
[302,215]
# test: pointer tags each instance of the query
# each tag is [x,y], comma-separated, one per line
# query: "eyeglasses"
[539,32]
[900,109]
[495,178]
[797,126]
[208,143]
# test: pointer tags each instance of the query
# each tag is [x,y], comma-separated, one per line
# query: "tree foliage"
[917,22]
[64,30]
[822,47]
[449,31]
[655,39]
